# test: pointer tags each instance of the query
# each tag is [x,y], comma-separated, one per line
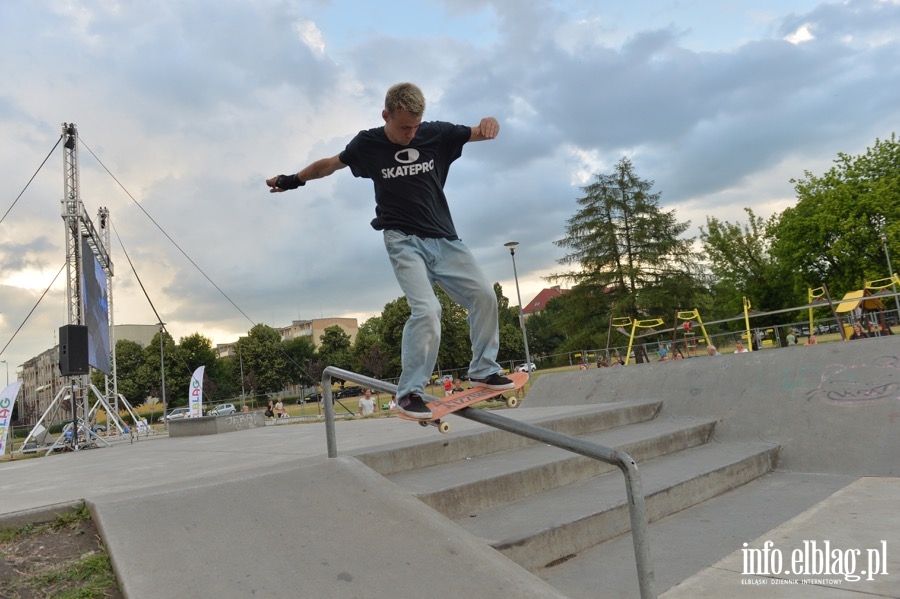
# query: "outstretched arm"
[316,170]
[488,128]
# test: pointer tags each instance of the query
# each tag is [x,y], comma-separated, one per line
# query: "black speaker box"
[73,349]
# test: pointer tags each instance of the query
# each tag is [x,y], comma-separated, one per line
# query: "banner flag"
[196,399]
[7,401]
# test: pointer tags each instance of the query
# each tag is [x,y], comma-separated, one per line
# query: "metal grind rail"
[637,509]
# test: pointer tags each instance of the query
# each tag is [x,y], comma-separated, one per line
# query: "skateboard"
[441,406]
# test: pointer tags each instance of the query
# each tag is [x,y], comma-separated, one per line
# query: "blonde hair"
[405,96]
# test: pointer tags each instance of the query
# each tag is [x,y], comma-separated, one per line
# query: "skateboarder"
[408,161]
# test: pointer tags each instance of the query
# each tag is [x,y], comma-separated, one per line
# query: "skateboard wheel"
[444,427]
[511,402]
[423,423]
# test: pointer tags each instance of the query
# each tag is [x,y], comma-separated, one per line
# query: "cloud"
[802,34]
[192,104]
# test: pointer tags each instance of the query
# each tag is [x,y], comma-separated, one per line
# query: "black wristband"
[289,182]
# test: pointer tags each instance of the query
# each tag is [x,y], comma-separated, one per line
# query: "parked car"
[351,391]
[312,398]
[176,413]
[527,367]
[223,410]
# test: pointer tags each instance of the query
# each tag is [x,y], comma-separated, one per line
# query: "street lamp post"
[7,371]
[511,245]
[162,371]
[241,359]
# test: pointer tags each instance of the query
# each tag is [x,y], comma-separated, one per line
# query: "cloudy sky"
[192,104]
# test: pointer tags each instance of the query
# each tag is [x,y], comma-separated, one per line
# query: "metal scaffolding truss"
[78,227]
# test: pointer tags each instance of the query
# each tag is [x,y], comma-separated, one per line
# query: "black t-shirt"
[409,180]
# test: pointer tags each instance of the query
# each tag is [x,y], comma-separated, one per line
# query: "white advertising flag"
[196,400]
[7,401]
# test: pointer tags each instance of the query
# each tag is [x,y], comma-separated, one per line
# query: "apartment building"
[311,329]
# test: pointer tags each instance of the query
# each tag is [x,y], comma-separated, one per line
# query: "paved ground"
[846,546]
[264,513]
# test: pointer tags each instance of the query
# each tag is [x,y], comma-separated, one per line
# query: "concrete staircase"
[541,506]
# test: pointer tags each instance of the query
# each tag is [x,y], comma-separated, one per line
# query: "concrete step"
[689,541]
[561,523]
[480,483]
[461,446]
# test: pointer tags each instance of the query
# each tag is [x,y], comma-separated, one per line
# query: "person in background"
[858,332]
[740,349]
[711,350]
[811,340]
[758,338]
[367,404]
[791,338]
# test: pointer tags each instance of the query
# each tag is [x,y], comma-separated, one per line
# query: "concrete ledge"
[38,515]
[213,425]
[316,527]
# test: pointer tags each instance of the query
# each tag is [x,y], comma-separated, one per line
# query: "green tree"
[546,335]
[150,371]
[626,250]
[393,318]
[373,361]
[225,375]
[265,365]
[196,350]
[506,314]
[742,265]
[833,235]
[371,354]
[580,319]
[512,346]
[300,353]
[129,358]
[334,348]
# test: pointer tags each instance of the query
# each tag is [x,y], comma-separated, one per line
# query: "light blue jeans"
[418,264]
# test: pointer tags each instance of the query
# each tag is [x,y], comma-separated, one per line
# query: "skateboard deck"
[441,406]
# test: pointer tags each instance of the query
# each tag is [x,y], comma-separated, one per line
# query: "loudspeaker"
[73,349]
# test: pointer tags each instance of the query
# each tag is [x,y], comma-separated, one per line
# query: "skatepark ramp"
[832,408]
